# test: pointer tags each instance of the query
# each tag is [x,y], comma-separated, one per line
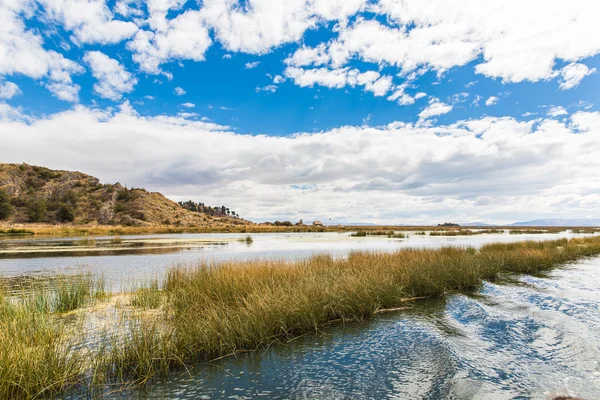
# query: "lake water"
[132,259]
[527,337]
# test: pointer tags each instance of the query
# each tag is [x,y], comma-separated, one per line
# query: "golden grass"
[211,310]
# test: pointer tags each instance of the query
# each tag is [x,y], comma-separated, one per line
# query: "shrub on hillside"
[5,207]
[36,209]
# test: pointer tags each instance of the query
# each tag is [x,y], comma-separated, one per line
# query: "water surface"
[126,261]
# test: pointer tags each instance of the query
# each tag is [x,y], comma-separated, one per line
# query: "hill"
[559,222]
[36,194]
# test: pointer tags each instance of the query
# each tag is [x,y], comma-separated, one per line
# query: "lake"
[522,337]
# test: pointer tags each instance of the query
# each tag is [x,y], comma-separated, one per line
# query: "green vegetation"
[147,297]
[585,230]
[5,207]
[212,310]
[36,209]
[13,231]
[39,195]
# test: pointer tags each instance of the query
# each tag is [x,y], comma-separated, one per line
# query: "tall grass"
[211,310]
[246,305]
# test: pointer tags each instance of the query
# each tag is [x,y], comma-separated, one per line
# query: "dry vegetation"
[208,311]
[37,195]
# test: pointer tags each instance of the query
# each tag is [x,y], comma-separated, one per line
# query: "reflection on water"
[526,339]
[125,261]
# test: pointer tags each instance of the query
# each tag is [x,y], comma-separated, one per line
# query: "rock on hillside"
[40,194]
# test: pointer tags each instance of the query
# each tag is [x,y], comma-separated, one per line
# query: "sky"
[389,111]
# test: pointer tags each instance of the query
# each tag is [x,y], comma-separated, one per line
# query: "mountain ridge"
[34,194]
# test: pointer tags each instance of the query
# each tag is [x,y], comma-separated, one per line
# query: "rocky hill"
[37,194]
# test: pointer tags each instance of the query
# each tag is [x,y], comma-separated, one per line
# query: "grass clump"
[248,239]
[527,231]
[359,234]
[147,297]
[14,231]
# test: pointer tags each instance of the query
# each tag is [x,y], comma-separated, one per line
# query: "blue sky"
[184,79]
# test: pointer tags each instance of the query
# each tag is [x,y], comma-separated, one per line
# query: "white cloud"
[250,65]
[188,105]
[268,88]
[179,91]
[128,8]
[515,41]
[113,79]
[22,52]
[90,20]
[399,95]
[572,74]
[337,78]
[261,25]
[148,97]
[495,169]
[435,108]
[278,79]
[8,90]
[557,111]
[183,37]
[492,100]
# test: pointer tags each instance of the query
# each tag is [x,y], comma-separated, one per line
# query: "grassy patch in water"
[14,231]
[210,310]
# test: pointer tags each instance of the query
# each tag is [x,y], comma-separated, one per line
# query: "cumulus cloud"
[489,168]
[513,41]
[113,79]
[492,100]
[8,90]
[435,108]
[22,52]
[90,21]
[188,105]
[183,37]
[260,25]
[179,91]
[572,74]
[337,78]
[557,111]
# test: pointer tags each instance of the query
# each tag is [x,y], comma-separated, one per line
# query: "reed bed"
[528,231]
[208,311]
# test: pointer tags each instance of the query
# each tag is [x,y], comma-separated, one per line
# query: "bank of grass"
[208,311]
[389,234]
[528,231]
[15,232]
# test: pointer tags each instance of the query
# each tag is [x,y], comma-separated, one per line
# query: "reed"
[148,296]
[528,231]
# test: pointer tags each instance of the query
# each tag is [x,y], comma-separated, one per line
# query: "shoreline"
[71,230]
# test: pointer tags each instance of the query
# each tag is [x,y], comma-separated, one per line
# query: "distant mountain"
[559,222]
[37,194]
